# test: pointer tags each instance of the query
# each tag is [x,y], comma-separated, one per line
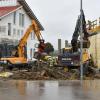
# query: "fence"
[91,25]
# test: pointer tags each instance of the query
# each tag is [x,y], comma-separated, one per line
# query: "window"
[14,20]
[21,19]
[31,53]
[2,29]
[18,33]
[14,32]
[22,33]
[32,36]
[9,29]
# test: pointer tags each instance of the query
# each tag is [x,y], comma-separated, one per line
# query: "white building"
[15,18]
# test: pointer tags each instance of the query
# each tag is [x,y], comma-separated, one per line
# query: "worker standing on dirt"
[86,55]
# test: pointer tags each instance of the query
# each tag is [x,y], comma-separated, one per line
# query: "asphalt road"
[50,90]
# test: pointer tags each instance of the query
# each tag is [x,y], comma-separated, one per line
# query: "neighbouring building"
[15,18]
[59,45]
[94,30]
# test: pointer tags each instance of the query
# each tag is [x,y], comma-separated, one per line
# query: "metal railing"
[7,3]
[93,24]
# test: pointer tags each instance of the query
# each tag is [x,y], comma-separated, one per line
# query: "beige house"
[95,41]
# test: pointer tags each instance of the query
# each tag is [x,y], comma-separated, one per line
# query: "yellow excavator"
[18,57]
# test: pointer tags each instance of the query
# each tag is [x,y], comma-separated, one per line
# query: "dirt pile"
[44,74]
[50,73]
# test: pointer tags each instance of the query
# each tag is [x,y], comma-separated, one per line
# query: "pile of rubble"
[44,74]
[47,73]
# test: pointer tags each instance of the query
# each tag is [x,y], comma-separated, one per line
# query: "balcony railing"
[93,26]
[7,3]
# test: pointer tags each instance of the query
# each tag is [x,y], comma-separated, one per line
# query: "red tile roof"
[5,10]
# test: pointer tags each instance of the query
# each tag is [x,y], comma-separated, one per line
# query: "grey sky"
[58,17]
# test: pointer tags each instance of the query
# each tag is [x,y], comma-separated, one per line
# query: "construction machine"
[18,56]
[70,57]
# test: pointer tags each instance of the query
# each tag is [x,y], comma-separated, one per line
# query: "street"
[50,90]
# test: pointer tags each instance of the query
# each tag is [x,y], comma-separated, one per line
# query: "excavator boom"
[23,41]
[75,42]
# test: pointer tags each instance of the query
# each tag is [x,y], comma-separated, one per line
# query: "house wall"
[20,31]
[8,3]
[95,48]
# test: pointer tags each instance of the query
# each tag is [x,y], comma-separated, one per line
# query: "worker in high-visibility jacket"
[86,56]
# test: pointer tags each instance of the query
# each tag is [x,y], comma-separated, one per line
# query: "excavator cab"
[67,50]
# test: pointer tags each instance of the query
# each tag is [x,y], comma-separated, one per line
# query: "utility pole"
[81,41]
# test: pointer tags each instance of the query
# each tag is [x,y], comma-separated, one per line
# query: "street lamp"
[81,42]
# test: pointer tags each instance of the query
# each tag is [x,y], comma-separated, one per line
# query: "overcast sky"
[58,17]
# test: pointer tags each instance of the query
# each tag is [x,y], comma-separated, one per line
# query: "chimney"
[59,46]
[66,43]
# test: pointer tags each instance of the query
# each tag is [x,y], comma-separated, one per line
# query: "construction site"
[33,67]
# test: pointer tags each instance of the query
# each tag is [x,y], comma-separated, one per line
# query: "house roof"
[4,11]
[30,12]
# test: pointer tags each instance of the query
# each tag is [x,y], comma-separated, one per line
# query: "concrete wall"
[19,30]
[95,48]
